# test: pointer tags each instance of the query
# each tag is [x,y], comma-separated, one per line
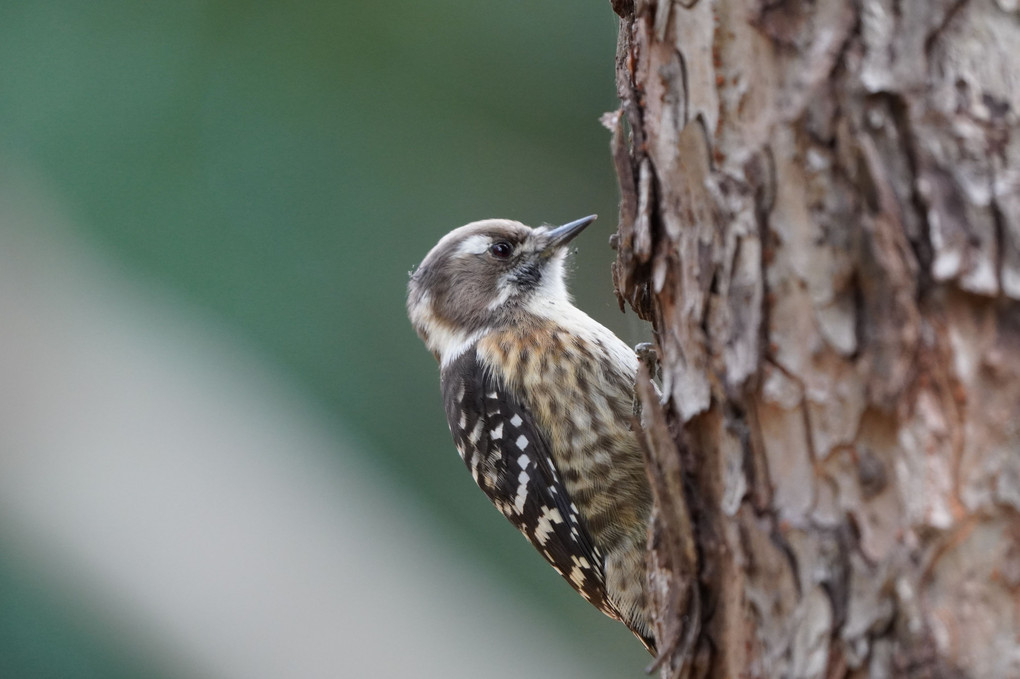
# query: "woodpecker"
[539,399]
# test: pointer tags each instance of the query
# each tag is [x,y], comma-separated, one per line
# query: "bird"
[539,398]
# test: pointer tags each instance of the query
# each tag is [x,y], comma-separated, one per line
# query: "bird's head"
[488,274]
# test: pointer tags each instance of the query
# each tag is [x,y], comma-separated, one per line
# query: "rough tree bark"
[821,217]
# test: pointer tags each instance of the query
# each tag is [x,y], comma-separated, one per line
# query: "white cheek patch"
[420,311]
[506,290]
[443,339]
[474,245]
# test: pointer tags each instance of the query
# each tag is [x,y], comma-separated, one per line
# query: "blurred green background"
[280,168]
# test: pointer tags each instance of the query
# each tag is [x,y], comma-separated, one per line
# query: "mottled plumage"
[539,399]
[498,439]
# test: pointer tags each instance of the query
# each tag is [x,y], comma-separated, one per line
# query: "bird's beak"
[561,235]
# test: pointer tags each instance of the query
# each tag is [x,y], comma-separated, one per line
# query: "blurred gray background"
[222,448]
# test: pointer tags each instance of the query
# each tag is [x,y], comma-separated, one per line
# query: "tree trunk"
[821,217]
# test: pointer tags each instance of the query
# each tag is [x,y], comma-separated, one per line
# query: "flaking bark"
[820,215]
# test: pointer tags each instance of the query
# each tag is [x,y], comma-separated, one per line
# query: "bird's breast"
[579,386]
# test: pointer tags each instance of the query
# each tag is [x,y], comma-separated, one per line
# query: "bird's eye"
[501,249]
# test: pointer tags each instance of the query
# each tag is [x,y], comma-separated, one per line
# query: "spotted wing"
[510,460]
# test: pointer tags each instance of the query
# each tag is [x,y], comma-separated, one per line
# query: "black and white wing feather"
[510,460]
